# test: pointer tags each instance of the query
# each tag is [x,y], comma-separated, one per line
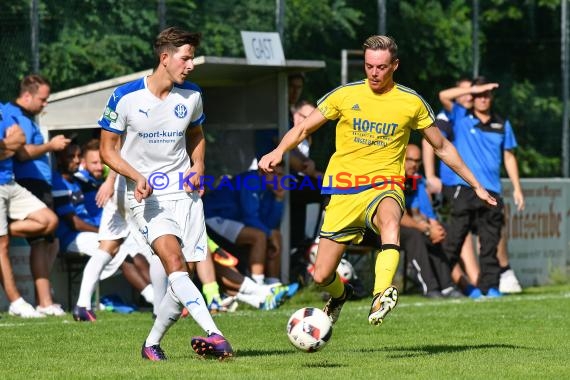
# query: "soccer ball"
[346,271]
[309,329]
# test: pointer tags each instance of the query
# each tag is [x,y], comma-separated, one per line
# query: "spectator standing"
[485,140]
[454,107]
[32,170]
[28,216]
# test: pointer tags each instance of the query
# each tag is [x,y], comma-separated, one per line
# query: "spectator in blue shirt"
[28,216]
[457,102]
[247,211]
[90,177]
[32,170]
[484,140]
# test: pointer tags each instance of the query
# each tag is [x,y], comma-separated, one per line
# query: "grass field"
[515,337]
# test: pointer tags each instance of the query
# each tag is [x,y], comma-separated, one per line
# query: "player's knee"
[389,225]
[321,277]
[174,263]
[110,246]
[258,236]
[47,219]
[4,244]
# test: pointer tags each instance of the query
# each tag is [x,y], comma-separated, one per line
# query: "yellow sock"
[385,269]
[335,288]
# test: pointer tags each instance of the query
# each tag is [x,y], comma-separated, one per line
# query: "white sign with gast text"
[263,48]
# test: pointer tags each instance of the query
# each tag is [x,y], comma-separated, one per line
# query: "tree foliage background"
[82,41]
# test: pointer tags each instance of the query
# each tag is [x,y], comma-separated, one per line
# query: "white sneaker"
[230,303]
[53,310]
[24,310]
[508,283]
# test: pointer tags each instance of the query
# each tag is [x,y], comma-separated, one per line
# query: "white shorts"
[88,243]
[183,218]
[114,224]
[226,228]
[117,223]
[16,203]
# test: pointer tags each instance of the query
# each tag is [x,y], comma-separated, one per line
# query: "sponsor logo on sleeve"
[110,115]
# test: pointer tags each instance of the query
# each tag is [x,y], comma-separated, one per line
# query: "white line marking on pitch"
[27,324]
[506,298]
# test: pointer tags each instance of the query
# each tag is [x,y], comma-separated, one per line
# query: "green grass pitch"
[516,337]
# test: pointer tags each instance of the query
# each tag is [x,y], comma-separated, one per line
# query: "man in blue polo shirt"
[484,140]
[457,102]
[27,215]
[32,170]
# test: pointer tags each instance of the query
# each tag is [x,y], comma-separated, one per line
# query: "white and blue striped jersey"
[155,130]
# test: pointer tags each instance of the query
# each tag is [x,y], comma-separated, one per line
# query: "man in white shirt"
[163,160]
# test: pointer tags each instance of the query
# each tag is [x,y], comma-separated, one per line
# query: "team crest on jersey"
[180,111]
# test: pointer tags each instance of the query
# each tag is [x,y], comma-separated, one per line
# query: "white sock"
[248,286]
[251,299]
[158,280]
[189,295]
[259,278]
[168,313]
[91,274]
[148,293]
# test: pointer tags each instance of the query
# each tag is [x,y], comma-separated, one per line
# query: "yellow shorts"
[348,215]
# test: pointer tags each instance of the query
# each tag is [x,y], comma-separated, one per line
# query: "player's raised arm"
[111,156]
[448,154]
[291,139]
[447,96]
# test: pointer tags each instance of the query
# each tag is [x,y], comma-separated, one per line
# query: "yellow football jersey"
[371,134]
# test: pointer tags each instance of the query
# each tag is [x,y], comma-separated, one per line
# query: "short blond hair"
[379,42]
